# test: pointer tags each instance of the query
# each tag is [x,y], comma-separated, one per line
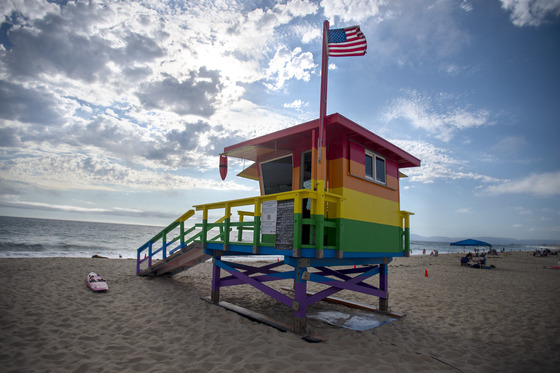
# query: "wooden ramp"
[181,260]
[260,318]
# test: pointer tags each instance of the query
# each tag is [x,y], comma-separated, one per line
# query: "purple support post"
[215,295]
[150,255]
[300,297]
[383,286]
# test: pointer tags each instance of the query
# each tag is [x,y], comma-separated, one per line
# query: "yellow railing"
[325,207]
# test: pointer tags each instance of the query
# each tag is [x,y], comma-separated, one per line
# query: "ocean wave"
[14,246]
[24,250]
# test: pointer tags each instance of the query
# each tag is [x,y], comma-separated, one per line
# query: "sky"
[116,111]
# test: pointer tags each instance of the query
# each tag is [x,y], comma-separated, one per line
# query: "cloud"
[299,8]
[531,12]
[523,211]
[437,164]
[441,116]
[116,211]
[453,69]
[239,125]
[98,173]
[352,10]
[466,6]
[541,185]
[288,65]
[552,229]
[69,42]
[465,210]
[27,105]
[181,144]
[296,104]
[194,95]
[118,47]
[51,207]
[511,145]
[137,71]
[434,32]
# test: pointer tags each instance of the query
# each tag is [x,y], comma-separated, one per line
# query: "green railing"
[324,208]
[405,218]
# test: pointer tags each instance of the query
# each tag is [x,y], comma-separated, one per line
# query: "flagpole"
[321,146]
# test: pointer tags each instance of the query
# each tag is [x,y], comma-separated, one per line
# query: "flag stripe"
[349,41]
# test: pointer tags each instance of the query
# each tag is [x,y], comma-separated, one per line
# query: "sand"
[458,319]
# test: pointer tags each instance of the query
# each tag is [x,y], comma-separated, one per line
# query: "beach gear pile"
[478,261]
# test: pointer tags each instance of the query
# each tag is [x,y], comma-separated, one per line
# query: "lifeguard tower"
[332,211]
[329,204]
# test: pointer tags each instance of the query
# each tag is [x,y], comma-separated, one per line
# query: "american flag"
[347,41]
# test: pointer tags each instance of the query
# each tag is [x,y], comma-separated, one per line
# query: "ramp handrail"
[149,246]
[150,251]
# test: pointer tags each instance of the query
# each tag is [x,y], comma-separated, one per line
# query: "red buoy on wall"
[223,166]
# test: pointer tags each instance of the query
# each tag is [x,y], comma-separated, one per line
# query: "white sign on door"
[268,217]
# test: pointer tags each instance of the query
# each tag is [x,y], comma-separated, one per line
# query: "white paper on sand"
[358,321]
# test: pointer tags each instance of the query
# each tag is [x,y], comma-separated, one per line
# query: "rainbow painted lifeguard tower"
[322,227]
[329,205]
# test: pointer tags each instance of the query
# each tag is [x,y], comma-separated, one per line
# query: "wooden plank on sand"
[260,318]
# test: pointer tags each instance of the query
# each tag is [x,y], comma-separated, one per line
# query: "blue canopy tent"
[470,242]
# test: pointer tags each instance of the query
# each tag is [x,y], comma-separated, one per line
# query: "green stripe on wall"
[360,236]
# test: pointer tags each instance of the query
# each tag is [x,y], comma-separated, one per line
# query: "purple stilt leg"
[383,286]
[300,302]
[215,295]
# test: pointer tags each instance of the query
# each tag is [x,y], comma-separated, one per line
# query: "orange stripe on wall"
[296,175]
[356,168]
[345,180]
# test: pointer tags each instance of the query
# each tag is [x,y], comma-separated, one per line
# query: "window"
[305,167]
[375,167]
[277,175]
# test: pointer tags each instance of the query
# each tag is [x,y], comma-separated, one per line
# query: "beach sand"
[458,319]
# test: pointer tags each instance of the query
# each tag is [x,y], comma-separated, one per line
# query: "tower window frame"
[376,167]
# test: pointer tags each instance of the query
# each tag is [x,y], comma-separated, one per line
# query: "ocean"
[41,238]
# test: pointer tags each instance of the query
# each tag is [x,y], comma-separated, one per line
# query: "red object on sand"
[426,273]
[223,166]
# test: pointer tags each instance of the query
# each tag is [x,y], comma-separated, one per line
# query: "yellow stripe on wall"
[364,207]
